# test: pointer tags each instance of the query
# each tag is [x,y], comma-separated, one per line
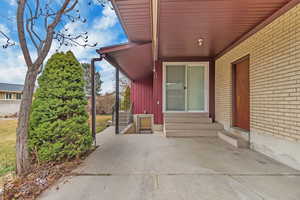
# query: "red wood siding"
[157,93]
[146,95]
[142,95]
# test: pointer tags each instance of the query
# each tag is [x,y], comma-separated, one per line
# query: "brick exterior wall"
[274,79]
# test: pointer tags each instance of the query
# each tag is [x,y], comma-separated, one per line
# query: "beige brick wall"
[274,78]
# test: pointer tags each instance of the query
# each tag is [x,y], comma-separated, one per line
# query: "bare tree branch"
[8,41]
[71,7]
[21,33]
[29,26]
[50,32]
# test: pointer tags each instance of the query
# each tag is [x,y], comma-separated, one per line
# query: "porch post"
[212,89]
[117,102]
[93,107]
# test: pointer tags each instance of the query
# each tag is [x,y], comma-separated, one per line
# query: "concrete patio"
[138,167]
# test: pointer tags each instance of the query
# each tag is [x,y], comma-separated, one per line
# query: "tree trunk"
[22,154]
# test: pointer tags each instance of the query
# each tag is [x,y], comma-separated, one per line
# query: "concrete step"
[232,139]
[122,123]
[240,133]
[186,114]
[193,126]
[123,116]
[190,125]
[191,133]
[188,120]
[123,113]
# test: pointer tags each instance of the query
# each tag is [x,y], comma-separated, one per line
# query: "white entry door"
[185,87]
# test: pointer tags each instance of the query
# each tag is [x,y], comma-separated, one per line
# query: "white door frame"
[206,86]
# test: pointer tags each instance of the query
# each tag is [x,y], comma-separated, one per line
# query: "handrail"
[129,113]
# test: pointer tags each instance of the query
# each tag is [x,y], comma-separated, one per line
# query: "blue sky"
[102,26]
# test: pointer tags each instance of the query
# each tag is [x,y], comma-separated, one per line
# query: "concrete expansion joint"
[247,188]
[156,175]
[156,182]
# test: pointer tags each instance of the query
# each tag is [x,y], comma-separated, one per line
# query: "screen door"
[175,88]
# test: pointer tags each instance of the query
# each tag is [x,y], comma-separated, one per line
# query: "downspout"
[117,98]
[93,107]
[117,102]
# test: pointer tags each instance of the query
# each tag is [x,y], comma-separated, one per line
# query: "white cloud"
[12,2]
[100,32]
[108,20]
[6,39]
[4,29]
[13,68]
[107,72]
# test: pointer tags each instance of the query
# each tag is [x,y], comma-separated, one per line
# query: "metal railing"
[129,113]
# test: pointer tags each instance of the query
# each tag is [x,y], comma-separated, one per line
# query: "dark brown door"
[241,95]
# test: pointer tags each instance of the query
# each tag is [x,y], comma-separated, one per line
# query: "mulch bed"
[39,179]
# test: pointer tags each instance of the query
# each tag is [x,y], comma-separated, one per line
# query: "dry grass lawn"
[102,122]
[7,146]
[8,140]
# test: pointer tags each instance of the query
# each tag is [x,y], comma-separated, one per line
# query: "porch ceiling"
[134,59]
[135,17]
[218,22]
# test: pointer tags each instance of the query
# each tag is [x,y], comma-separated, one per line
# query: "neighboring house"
[199,67]
[10,98]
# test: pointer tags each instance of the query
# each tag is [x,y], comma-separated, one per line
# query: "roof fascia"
[120,47]
[185,59]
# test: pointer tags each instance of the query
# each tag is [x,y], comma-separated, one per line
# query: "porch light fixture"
[200,42]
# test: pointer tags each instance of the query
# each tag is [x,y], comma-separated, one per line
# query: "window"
[8,96]
[19,96]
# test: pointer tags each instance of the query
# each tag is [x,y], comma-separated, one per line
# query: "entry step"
[187,114]
[193,126]
[232,139]
[191,133]
[190,124]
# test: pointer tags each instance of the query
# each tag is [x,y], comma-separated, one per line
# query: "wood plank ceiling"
[181,23]
[218,22]
[136,62]
[135,17]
